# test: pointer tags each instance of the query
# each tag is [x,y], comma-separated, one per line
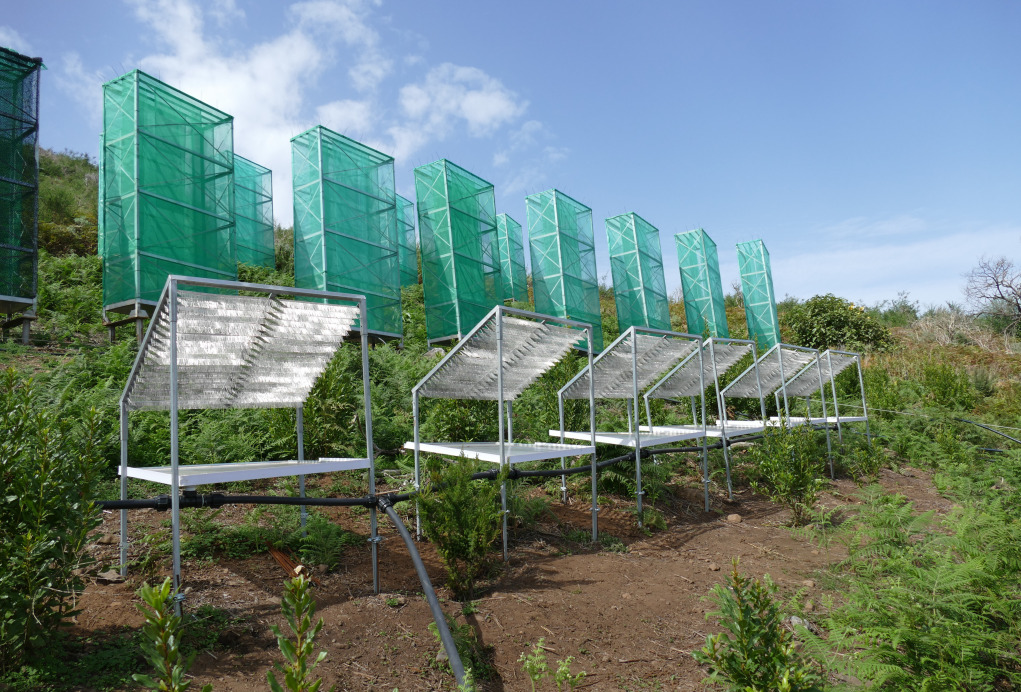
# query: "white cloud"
[82,85]
[350,118]
[224,12]
[9,38]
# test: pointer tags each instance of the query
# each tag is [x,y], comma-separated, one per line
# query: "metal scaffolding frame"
[253,213]
[699,264]
[626,367]
[688,379]
[407,240]
[206,350]
[496,361]
[757,291]
[636,263]
[512,259]
[833,362]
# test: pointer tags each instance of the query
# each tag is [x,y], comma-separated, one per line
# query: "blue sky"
[874,146]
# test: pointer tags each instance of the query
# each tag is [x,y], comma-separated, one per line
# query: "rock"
[734,518]
[434,353]
[110,576]
[626,596]
[809,583]
[713,567]
[606,658]
[441,656]
[108,539]
[322,569]
[815,552]
[809,607]
[274,600]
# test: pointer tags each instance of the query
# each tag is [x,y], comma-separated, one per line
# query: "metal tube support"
[825,415]
[705,448]
[592,428]
[630,429]
[418,469]
[758,384]
[783,384]
[648,413]
[370,450]
[563,461]
[638,445]
[694,418]
[175,484]
[124,488]
[864,406]
[300,426]
[836,406]
[721,404]
[503,446]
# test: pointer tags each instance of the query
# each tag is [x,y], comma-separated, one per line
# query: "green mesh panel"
[757,289]
[167,205]
[636,262]
[408,242]
[562,245]
[699,262]
[512,259]
[345,223]
[460,253]
[253,213]
[19,179]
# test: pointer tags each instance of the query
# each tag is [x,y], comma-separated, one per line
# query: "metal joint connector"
[594,509]
[377,539]
[178,597]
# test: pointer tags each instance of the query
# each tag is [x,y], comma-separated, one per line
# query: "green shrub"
[947,387]
[831,322]
[48,473]
[476,656]
[161,640]
[462,517]
[787,468]
[300,659]
[756,653]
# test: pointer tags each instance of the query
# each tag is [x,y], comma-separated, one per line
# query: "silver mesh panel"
[685,382]
[769,372]
[806,382]
[613,369]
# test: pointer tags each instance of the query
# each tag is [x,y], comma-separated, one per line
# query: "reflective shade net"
[345,223]
[253,213]
[529,349]
[614,366]
[806,382]
[407,241]
[461,276]
[238,352]
[683,382]
[636,261]
[769,372]
[19,179]
[167,204]
[757,291]
[699,263]
[512,259]
[562,247]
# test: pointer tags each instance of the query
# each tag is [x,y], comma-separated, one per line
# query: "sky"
[874,145]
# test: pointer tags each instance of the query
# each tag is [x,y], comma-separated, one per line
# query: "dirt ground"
[630,619]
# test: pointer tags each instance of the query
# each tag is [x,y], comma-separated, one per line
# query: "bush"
[756,653]
[947,387]
[462,517]
[788,469]
[831,322]
[48,472]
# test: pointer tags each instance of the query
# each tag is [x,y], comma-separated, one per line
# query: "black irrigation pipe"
[190,499]
[434,605]
[986,427]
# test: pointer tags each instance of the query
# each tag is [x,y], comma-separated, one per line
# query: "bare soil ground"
[630,619]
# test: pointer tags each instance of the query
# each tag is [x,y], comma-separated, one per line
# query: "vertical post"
[499,409]
[628,404]
[418,470]
[370,451]
[175,484]
[825,415]
[590,334]
[783,382]
[25,330]
[638,442]
[705,447]
[864,406]
[836,406]
[721,404]
[758,384]
[124,487]
[694,418]
[563,460]
[300,416]
[648,412]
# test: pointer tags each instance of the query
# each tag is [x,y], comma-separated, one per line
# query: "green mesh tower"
[562,244]
[19,180]
[700,283]
[636,262]
[253,213]
[408,242]
[345,224]
[460,253]
[512,259]
[757,289]
[167,204]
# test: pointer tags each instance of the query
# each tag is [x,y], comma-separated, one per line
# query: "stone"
[322,569]
[110,576]
[734,518]
[108,539]
[606,658]
[713,567]
[808,583]
[441,656]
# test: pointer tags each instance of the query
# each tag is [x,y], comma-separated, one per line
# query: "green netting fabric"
[699,262]
[168,190]
[253,213]
[461,274]
[757,289]
[562,245]
[636,262]
[407,240]
[345,223]
[512,259]
[19,179]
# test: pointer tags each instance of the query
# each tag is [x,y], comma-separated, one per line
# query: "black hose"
[434,605]
[986,427]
